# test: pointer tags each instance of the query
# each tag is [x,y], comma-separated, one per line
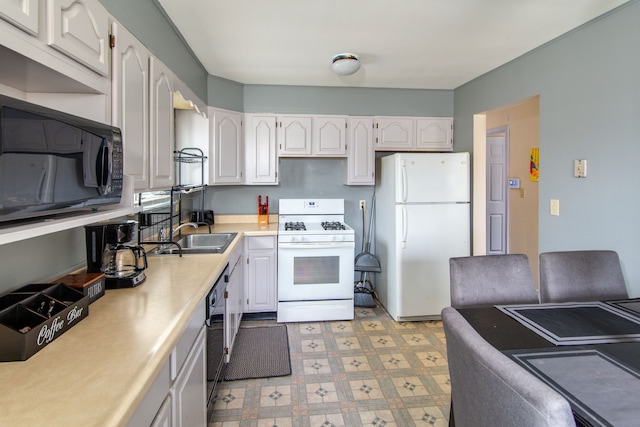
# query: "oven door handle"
[324,245]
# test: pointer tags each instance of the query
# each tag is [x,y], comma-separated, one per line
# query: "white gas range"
[315,261]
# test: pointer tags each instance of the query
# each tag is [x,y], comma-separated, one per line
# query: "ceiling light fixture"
[345,64]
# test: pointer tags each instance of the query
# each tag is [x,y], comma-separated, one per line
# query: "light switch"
[580,168]
[554,207]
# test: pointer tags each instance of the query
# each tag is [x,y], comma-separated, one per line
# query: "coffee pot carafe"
[120,261]
[107,251]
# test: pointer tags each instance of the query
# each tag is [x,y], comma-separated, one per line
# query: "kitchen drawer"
[181,351]
[261,242]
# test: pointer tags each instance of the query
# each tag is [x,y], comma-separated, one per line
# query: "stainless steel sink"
[213,243]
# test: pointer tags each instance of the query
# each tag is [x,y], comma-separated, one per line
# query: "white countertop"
[97,372]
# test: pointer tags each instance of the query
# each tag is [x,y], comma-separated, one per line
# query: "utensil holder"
[263,211]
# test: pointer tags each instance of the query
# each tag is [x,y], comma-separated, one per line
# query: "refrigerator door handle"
[405,182]
[405,227]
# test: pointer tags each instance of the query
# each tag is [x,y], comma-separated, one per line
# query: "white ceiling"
[418,44]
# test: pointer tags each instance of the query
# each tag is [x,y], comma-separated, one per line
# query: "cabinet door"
[164,417]
[130,101]
[80,30]
[361,154]
[261,277]
[21,13]
[434,133]
[226,165]
[329,135]
[233,301]
[161,126]
[395,133]
[261,157]
[294,136]
[189,390]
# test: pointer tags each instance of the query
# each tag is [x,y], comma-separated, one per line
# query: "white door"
[80,29]
[395,133]
[361,157]
[427,236]
[131,104]
[23,13]
[261,149]
[329,135]
[434,133]
[294,135]
[497,203]
[432,177]
[226,165]
[315,271]
[161,136]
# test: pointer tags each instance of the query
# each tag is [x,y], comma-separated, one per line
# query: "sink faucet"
[186,224]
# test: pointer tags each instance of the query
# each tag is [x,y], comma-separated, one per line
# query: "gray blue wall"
[589,87]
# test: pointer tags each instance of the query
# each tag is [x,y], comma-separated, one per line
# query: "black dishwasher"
[215,333]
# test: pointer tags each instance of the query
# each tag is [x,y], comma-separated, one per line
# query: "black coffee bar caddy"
[34,315]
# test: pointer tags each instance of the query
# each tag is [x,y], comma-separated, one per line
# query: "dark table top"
[511,337]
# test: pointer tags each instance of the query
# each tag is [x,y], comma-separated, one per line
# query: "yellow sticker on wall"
[534,165]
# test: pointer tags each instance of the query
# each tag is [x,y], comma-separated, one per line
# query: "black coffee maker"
[108,252]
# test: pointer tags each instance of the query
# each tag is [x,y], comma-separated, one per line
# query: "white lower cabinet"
[189,390]
[261,275]
[164,417]
[178,395]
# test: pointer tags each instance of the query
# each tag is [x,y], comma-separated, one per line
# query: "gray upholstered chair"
[581,276]
[489,389]
[490,280]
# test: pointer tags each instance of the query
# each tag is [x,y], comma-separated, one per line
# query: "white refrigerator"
[422,220]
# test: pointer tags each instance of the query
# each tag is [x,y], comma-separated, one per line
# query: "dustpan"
[366,261]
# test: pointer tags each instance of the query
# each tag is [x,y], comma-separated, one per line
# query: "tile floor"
[371,371]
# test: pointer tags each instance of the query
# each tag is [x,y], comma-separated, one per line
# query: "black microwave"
[52,162]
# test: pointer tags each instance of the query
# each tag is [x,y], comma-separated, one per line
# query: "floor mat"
[260,352]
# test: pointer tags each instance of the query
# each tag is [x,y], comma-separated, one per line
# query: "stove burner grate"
[333,225]
[294,226]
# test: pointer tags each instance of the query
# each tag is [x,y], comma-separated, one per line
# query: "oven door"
[311,271]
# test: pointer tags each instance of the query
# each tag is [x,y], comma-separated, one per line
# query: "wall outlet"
[363,204]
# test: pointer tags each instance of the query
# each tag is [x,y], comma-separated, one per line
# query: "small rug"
[260,352]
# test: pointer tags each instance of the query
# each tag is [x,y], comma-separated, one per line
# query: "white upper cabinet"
[261,157]
[329,136]
[395,133]
[161,120]
[360,162]
[414,134]
[130,102]
[80,29]
[226,141]
[294,136]
[21,13]
[309,136]
[434,133]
